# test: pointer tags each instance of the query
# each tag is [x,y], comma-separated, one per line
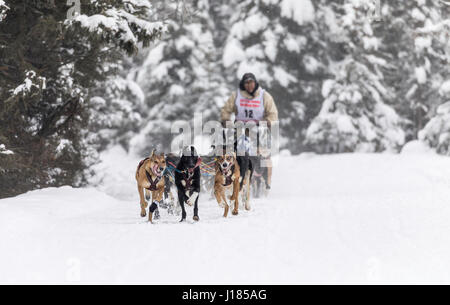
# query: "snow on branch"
[31,81]
[127,22]
[300,11]
[442,27]
[3,149]
[3,9]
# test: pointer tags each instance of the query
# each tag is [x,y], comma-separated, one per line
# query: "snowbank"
[116,173]
[417,147]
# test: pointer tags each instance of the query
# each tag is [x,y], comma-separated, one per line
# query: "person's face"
[250,85]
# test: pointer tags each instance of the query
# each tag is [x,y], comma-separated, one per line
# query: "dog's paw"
[170,211]
[248,207]
[143,214]
[196,218]
[235,212]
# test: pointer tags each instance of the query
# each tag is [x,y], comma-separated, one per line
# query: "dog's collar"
[188,171]
[153,183]
[199,162]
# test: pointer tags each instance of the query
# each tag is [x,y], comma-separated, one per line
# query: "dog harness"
[189,174]
[250,110]
[188,180]
[141,163]
[199,162]
[153,184]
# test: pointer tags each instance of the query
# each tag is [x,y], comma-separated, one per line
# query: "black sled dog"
[187,180]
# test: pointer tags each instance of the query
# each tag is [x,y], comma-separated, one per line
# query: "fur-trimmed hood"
[246,77]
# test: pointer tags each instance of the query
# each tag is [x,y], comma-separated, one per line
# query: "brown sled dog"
[149,177]
[226,183]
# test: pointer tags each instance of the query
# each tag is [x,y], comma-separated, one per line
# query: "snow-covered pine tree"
[117,106]
[281,43]
[355,115]
[436,133]
[416,36]
[181,76]
[47,66]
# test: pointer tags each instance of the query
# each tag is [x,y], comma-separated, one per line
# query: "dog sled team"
[230,175]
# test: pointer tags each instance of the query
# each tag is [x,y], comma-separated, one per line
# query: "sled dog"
[149,177]
[227,183]
[187,180]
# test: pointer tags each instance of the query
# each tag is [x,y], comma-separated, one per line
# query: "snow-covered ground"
[329,219]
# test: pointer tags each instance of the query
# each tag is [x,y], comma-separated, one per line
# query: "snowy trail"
[329,219]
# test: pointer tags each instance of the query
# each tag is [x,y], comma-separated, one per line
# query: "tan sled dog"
[149,177]
[226,183]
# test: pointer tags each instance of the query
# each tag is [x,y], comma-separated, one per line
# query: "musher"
[251,103]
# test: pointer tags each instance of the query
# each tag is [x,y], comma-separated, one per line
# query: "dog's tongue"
[155,170]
